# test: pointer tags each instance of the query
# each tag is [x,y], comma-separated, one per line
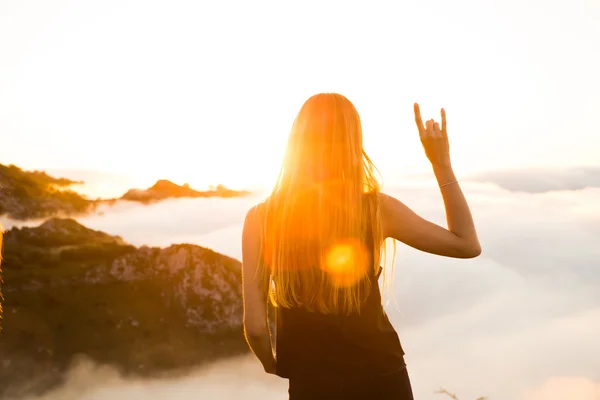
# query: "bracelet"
[449,183]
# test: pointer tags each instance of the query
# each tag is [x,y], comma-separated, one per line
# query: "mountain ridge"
[71,291]
[28,195]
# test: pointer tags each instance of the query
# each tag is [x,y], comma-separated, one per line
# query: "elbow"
[472,251]
[467,248]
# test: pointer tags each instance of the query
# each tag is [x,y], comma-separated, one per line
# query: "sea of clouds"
[522,321]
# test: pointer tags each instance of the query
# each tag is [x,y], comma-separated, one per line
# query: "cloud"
[90,381]
[566,388]
[96,183]
[542,179]
[526,310]
[176,221]
[511,324]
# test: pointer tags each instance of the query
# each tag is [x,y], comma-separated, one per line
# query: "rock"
[72,291]
[35,195]
[164,189]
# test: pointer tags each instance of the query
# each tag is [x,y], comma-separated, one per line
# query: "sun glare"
[346,262]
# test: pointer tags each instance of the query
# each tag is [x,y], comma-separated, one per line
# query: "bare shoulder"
[385,199]
[257,211]
[390,208]
[254,218]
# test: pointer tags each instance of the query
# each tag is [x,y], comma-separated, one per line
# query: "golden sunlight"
[346,262]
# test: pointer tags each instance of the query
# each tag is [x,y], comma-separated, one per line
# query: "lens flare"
[346,262]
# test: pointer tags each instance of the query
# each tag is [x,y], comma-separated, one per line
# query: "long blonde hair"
[323,211]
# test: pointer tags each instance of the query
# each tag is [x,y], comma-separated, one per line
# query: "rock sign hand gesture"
[434,139]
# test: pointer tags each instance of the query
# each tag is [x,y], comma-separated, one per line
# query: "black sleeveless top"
[341,346]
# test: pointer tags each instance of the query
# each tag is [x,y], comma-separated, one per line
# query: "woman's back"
[356,346]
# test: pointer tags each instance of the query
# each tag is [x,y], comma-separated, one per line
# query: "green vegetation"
[57,249]
[71,290]
[35,194]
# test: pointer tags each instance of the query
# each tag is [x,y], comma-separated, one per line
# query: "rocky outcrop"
[206,285]
[164,189]
[35,195]
[70,290]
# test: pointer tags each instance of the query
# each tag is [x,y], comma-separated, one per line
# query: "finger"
[443,121]
[436,130]
[418,119]
[430,127]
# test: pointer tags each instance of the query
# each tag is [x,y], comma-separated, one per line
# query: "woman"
[314,249]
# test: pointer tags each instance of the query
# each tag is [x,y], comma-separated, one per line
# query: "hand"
[434,139]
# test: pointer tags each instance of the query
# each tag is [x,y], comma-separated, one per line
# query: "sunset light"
[346,262]
[313,199]
[172,91]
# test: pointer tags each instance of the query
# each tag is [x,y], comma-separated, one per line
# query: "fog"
[542,179]
[90,381]
[242,378]
[521,321]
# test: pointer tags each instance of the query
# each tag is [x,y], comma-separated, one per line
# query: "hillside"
[70,290]
[34,195]
[164,189]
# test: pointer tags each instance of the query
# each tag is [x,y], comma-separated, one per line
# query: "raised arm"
[398,221]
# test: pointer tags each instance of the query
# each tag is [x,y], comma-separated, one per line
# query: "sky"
[124,92]
[519,322]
